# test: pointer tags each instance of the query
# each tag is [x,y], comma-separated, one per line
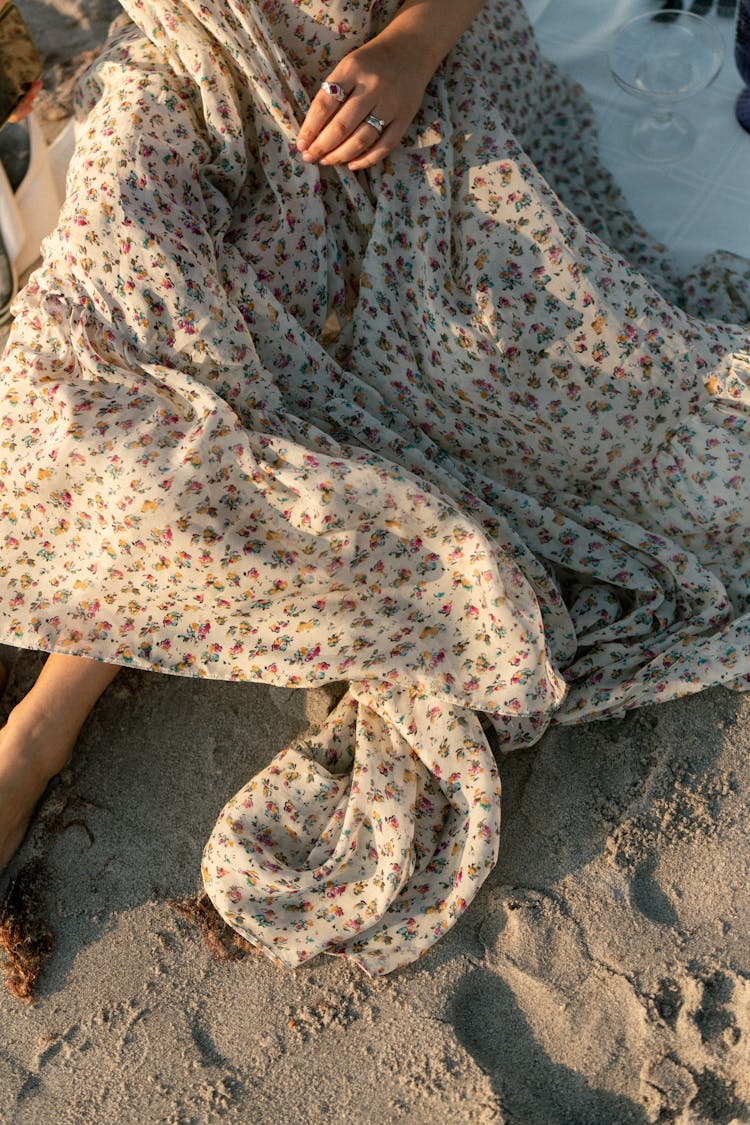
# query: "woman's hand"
[386,80]
[380,79]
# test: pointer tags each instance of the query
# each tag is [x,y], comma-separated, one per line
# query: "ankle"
[41,740]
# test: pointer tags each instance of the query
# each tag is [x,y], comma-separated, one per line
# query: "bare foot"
[30,756]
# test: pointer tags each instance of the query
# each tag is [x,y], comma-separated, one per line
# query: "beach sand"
[601,977]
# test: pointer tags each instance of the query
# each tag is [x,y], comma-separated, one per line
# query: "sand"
[601,977]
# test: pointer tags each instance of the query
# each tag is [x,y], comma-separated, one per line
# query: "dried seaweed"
[220,938]
[25,940]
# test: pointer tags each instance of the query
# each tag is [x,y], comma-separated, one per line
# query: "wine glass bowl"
[663,59]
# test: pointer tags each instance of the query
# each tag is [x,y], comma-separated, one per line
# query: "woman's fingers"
[361,144]
[326,103]
[346,119]
[346,134]
[382,147]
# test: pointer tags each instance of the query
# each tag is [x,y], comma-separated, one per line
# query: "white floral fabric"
[440,430]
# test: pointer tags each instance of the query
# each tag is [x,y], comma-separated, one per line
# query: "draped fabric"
[440,430]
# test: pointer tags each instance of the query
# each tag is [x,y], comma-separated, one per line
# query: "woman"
[322,381]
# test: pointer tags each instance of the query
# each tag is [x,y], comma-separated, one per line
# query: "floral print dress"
[440,430]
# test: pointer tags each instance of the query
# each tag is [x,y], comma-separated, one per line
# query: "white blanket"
[695,205]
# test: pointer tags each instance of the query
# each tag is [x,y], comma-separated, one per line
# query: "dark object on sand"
[221,939]
[24,937]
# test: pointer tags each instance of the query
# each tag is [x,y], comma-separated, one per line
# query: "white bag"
[28,216]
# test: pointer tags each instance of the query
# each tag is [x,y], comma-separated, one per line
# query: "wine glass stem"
[662,114]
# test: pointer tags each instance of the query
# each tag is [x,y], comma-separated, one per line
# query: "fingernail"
[307,156]
[301,145]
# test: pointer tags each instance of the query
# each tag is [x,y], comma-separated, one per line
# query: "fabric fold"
[372,856]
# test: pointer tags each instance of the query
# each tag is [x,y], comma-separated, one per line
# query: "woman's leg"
[39,736]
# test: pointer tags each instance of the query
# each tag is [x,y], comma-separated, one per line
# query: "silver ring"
[334,90]
[376,122]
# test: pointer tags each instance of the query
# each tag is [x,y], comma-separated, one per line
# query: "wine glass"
[663,59]
[742,59]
